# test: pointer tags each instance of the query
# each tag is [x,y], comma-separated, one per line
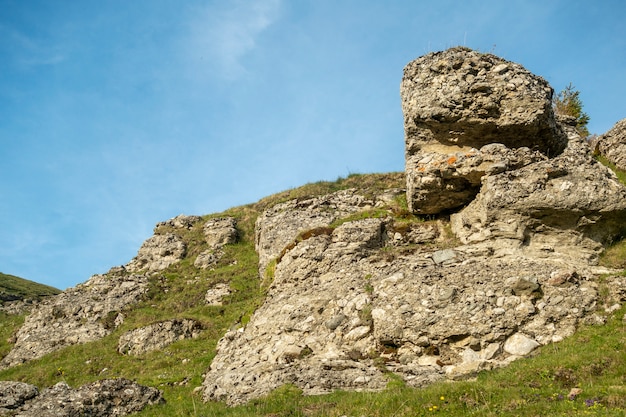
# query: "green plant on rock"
[568,103]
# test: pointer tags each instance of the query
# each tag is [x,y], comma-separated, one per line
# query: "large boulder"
[454,103]
[612,145]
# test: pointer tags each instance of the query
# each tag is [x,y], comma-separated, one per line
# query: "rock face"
[158,252]
[565,207]
[454,103]
[612,145]
[352,298]
[280,225]
[157,336]
[111,397]
[344,307]
[82,314]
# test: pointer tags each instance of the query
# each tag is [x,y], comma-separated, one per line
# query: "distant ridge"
[15,288]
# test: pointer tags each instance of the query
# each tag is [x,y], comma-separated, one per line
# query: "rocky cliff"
[353,297]
[485,250]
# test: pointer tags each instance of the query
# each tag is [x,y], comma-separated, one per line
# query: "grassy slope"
[21,288]
[593,360]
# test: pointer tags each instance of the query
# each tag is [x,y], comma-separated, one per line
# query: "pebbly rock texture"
[110,397]
[158,252]
[157,336]
[14,394]
[215,295]
[612,145]
[217,233]
[455,103]
[351,298]
[567,207]
[341,311]
[81,314]
[279,226]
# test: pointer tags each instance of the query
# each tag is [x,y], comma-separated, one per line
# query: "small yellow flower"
[442,398]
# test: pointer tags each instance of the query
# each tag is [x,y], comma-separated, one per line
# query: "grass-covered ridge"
[16,288]
[593,360]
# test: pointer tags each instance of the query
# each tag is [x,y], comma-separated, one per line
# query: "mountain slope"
[16,288]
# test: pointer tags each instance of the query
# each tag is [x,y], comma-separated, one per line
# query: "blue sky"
[117,114]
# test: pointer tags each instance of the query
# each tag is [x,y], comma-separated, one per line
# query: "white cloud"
[221,36]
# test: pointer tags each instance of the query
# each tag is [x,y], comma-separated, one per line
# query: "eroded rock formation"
[348,302]
[344,307]
[454,103]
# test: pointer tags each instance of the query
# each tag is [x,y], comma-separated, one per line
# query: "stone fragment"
[14,394]
[220,231]
[520,345]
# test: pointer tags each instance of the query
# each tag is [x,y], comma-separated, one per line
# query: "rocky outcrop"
[612,145]
[217,233]
[81,314]
[566,207]
[157,336]
[110,397]
[280,225]
[158,252]
[344,308]
[454,103]
[352,298]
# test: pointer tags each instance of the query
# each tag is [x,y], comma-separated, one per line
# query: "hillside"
[497,265]
[536,384]
[15,288]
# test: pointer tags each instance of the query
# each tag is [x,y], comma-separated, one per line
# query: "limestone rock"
[110,397]
[568,205]
[157,336]
[612,145]
[81,314]
[179,222]
[208,258]
[520,345]
[455,103]
[217,232]
[214,296]
[279,226]
[337,306]
[14,394]
[221,231]
[158,252]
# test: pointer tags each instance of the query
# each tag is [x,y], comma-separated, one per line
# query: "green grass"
[594,359]
[12,287]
